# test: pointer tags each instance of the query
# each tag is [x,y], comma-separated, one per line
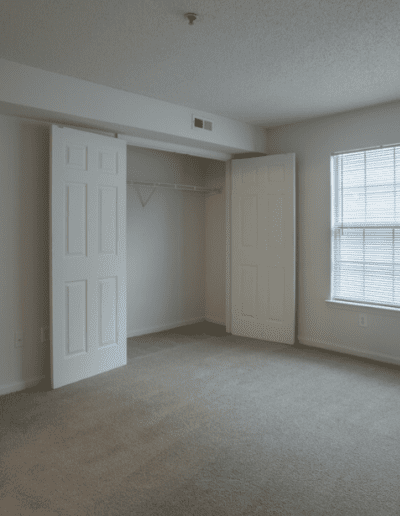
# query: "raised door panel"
[276,294]
[248,291]
[275,244]
[249,220]
[107,161]
[108,303]
[108,220]
[88,255]
[263,248]
[75,317]
[76,219]
[76,156]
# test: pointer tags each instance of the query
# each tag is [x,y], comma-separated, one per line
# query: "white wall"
[24,250]
[166,246]
[165,242]
[215,254]
[320,323]
[40,94]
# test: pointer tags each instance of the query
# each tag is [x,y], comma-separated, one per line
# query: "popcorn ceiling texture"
[204,423]
[264,62]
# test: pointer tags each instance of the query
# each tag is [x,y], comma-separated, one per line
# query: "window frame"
[353,304]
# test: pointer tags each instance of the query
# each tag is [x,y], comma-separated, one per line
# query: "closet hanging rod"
[175,186]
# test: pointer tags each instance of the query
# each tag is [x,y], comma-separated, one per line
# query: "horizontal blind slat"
[366,226]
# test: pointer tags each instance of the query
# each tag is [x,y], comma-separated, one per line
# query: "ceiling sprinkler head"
[191,17]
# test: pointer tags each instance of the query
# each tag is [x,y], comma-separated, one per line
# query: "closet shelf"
[200,189]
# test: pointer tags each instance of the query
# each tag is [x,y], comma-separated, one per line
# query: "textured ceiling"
[264,62]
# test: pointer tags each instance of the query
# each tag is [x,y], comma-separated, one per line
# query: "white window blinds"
[366,226]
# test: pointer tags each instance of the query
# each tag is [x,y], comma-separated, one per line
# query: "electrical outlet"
[44,334]
[19,339]
[362,319]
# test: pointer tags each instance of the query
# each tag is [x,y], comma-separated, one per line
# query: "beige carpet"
[207,425]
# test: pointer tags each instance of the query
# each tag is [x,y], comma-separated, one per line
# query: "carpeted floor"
[205,423]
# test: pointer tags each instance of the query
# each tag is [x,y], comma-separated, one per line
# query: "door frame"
[228,260]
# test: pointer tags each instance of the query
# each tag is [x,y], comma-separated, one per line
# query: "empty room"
[200,257]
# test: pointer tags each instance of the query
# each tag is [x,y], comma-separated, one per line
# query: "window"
[365,226]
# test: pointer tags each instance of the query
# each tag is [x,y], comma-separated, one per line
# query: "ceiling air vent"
[200,123]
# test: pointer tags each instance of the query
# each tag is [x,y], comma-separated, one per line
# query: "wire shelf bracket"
[173,186]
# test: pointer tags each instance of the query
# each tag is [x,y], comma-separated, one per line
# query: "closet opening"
[176,244]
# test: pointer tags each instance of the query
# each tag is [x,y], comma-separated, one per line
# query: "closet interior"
[175,240]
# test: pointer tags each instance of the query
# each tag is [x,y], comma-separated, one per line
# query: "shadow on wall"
[33,237]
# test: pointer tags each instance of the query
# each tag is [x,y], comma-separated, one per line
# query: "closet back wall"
[165,242]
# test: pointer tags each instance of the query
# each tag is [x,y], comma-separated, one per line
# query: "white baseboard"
[333,346]
[215,320]
[163,327]
[20,386]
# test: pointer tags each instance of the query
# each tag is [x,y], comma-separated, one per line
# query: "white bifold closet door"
[263,248]
[88,255]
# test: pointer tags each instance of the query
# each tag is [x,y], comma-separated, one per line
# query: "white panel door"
[263,248]
[88,255]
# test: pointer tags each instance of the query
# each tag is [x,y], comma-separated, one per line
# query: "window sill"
[349,305]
